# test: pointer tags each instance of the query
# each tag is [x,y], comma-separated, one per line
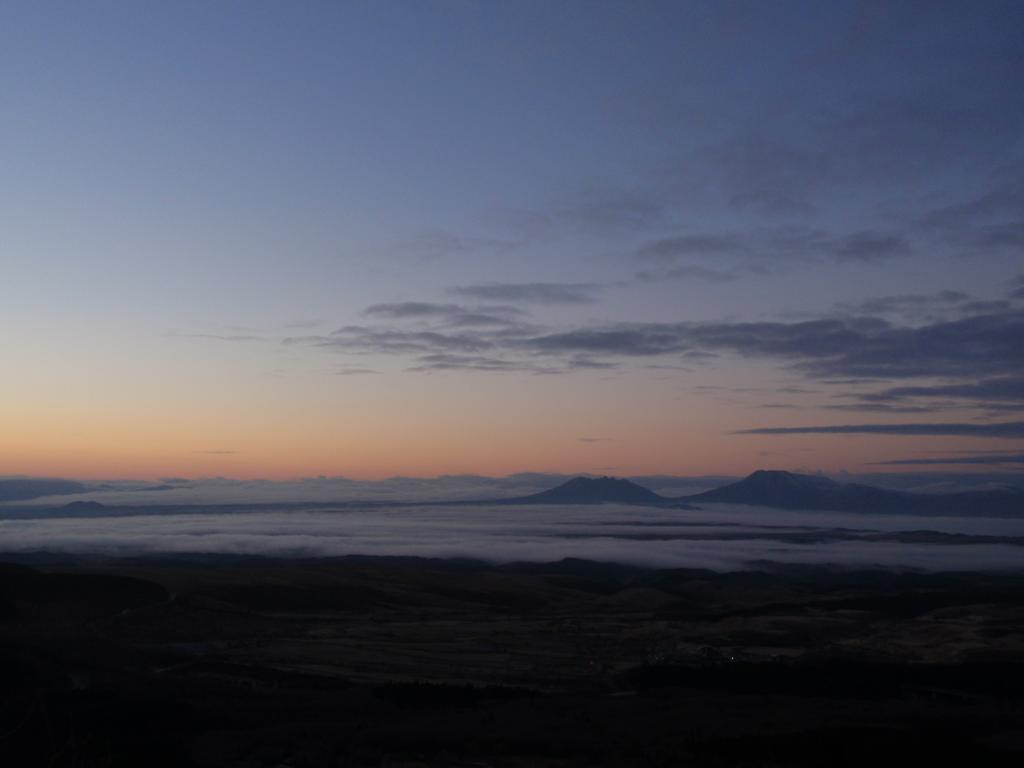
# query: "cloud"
[363,339]
[979,356]
[880,408]
[1017,288]
[605,209]
[870,246]
[437,243]
[1004,388]
[772,203]
[1008,429]
[1017,458]
[759,250]
[452,362]
[301,324]
[990,221]
[240,337]
[880,141]
[908,303]
[995,394]
[534,293]
[672,248]
[967,347]
[706,274]
[771,192]
[642,340]
[796,165]
[933,307]
[588,363]
[762,250]
[413,309]
[449,314]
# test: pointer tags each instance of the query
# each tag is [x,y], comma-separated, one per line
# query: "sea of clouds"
[720,537]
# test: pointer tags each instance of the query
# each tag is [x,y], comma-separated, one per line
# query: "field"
[207,661]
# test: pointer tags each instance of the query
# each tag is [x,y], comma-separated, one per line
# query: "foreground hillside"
[246,662]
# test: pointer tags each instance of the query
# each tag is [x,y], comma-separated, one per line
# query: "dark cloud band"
[1007,429]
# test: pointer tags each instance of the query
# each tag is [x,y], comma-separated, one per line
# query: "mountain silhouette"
[790,490]
[25,488]
[84,506]
[594,490]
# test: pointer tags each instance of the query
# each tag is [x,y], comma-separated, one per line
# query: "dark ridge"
[84,505]
[789,490]
[32,594]
[83,509]
[594,490]
[765,488]
[25,488]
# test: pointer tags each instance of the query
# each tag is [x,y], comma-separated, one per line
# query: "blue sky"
[268,238]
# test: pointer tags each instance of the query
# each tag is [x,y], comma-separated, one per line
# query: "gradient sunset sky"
[282,239]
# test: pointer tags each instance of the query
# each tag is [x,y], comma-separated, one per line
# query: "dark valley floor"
[207,661]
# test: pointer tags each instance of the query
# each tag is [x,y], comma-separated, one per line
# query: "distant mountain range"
[763,488]
[24,488]
[788,490]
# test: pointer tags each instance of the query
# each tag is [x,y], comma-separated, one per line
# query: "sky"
[279,240]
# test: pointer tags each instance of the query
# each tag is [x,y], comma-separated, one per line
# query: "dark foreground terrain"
[391,662]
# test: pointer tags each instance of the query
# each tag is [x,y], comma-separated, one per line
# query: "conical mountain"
[595,490]
[790,490]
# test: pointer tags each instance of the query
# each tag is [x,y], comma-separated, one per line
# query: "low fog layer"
[720,537]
